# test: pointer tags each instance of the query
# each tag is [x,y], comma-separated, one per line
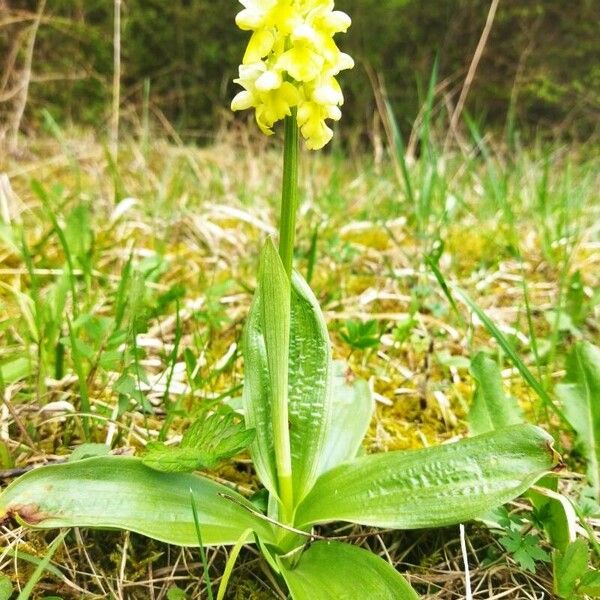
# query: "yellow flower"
[265,90]
[291,62]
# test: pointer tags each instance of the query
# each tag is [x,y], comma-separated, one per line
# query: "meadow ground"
[124,288]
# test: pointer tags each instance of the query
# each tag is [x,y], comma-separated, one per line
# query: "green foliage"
[307,390]
[37,574]
[573,579]
[525,549]
[579,394]
[15,370]
[519,539]
[122,493]
[89,451]
[491,408]
[211,439]
[361,335]
[411,489]
[391,490]
[352,409]
[203,559]
[6,588]
[175,593]
[329,570]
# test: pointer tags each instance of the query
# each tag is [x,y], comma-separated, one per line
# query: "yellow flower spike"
[292,61]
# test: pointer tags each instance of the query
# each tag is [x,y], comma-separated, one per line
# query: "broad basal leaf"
[492,408]
[431,487]
[309,382]
[580,396]
[121,493]
[256,399]
[332,570]
[266,350]
[352,411]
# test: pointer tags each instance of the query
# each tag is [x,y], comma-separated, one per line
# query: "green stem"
[287,235]
[289,198]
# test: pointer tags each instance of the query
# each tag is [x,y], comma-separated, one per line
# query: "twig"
[116,99]
[17,419]
[24,92]
[463,546]
[472,71]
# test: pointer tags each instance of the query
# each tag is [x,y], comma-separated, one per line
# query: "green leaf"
[210,440]
[590,584]
[122,493]
[525,549]
[554,512]
[328,570]
[175,593]
[265,383]
[170,459]
[352,411]
[89,451]
[311,379]
[275,318]
[579,394]
[6,588]
[309,383]
[15,370]
[569,567]
[433,487]
[361,335]
[491,408]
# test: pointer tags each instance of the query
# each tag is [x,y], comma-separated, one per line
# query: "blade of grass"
[162,436]
[233,556]
[442,282]
[400,153]
[41,193]
[202,550]
[34,560]
[312,255]
[39,570]
[83,387]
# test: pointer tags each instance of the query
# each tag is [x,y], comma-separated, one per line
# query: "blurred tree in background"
[541,60]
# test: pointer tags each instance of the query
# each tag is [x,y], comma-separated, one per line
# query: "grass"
[124,288]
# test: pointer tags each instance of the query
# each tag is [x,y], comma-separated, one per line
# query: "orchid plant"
[304,419]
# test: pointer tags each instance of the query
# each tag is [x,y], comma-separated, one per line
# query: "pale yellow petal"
[269,80]
[259,46]
[243,101]
[249,19]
